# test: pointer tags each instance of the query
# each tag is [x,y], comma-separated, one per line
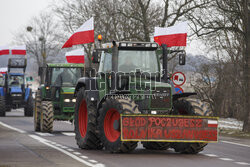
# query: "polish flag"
[18,50]
[212,123]
[3,70]
[172,36]
[75,56]
[4,50]
[84,34]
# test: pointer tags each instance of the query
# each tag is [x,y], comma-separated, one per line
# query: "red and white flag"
[212,123]
[172,36]
[3,70]
[84,34]
[75,56]
[4,50]
[18,50]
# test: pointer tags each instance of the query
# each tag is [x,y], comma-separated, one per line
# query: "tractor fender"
[99,104]
[186,94]
[91,87]
[27,94]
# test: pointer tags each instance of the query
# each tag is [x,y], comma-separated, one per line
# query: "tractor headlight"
[73,100]
[67,100]
[16,95]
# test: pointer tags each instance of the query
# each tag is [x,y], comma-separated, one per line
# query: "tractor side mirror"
[95,58]
[182,59]
[29,78]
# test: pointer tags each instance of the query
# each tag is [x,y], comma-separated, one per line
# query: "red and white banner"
[172,36]
[4,50]
[212,123]
[18,50]
[83,35]
[75,56]
[3,70]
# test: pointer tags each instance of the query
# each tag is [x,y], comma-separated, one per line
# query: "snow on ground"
[230,124]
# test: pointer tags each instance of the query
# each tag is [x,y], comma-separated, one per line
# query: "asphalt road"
[21,146]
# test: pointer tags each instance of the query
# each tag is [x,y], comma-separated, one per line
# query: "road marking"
[229,142]
[11,127]
[64,147]
[93,161]
[211,155]
[68,133]
[44,141]
[44,134]
[76,153]
[69,149]
[226,159]
[84,157]
[242,163]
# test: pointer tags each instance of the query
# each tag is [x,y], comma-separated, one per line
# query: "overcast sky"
[14,14]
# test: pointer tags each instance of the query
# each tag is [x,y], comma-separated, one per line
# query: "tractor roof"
[65,65]
[16,74]
[129,45]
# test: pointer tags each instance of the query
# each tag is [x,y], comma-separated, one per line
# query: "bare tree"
[42,38]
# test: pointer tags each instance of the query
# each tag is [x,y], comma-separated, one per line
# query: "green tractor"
[132,100]
[55,96]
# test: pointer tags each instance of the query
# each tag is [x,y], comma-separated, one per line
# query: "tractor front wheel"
[37,112]
[85,122]
[28,109]
[2,106]
[47,117]
[109,124]
[190,106]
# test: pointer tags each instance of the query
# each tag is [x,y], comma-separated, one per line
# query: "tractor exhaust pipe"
[114,66]
[165,63]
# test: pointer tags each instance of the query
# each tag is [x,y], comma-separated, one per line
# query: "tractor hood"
[67,90]
[15,89]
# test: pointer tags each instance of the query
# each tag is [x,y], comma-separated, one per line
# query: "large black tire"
[47,116]
[37,112]
[190,106]
[85,121]
[109,114]
[156,145]
[28,109]
[2,106]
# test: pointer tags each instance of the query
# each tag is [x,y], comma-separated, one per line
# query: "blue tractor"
[14,92]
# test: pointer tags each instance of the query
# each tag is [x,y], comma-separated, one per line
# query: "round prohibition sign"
[178,78]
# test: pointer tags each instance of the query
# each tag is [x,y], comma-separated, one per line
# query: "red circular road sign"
[178,78]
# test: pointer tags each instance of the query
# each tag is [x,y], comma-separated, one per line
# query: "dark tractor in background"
[15,92]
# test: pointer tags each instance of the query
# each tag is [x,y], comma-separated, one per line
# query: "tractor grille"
[161,98]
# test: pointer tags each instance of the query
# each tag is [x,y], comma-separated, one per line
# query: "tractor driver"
[128,65]
[63,77]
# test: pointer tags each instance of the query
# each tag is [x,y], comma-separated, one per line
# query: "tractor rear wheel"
[190,106]
[156,145]
[109,124]
[85,121]
[47,116]
[2,106]
[37,112]
[28,109]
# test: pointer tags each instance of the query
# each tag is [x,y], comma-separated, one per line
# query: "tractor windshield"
[66,77]
[16,80]
[130,60]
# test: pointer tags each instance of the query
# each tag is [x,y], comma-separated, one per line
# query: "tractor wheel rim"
[83,118]
[111,116]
